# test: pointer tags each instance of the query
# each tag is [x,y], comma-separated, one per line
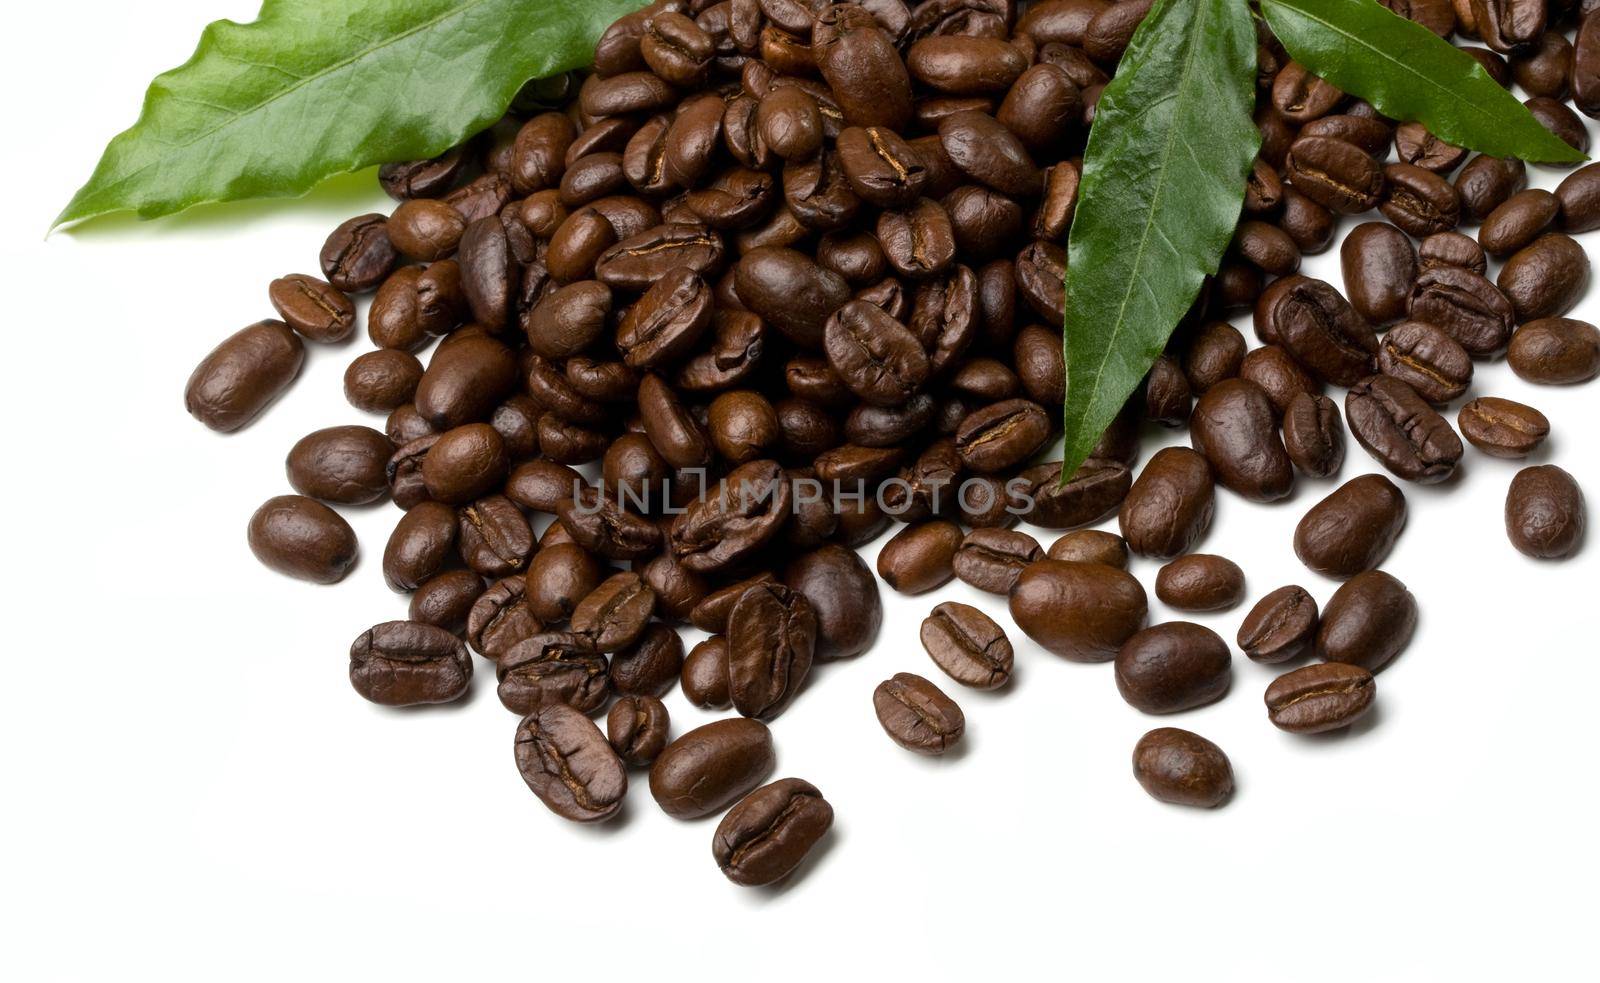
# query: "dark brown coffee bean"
[302,538]
[466,463]
[992,559]
[638,261]
[843,595]
[1320,698]
[708,767]
[1586,65]
[1380,265]
[1182,768]
[1172,667]
[500,618]
[651,665]
[1466,306]
[1315,324]
[769,832]
[615,614]
[422,543]
[432,178]
[1555,351]
[1416,146]
[1545,513]
[1338,175]
[1368,621]
[569,764]
[243,375]
[1503,427]
[1486,183]
[1370,135]
[1200,582]
[1279,376]
[1546,278]
[1282,626]
[383,380]
[746,511]
[1400,430]
[1214,353]
[1579,194]
[988,153]
[558,578]
[466,379]
[601,526]
[340,464]
[1353,529]
[917,715]
[1313,435]
[1518,222]
[920,557]
[446,601]
[1427,359]
[358,254]
[549,668]
[772,633]
[404,663]
[636,728]
[877,357]
[705,674]
[1235,427]
[313,307]
[540,486]
[1083,612]
[1003,435]
[1419,201]
[1452,249]
[968,646]
[965,66]
[1091,546]
[1300,96]
[1167,396]
[1170,506]
[404,472]
[1554,116]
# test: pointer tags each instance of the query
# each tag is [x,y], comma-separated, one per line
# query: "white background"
[193,791]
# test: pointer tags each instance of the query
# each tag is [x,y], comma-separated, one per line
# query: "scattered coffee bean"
[1281,627]
[1503,427]
[1200,582]
[1182,768]
[403,663]
[1545,513]
[1091,546]
[636,727]
[1080,611]
[1174,666]
[968,645]
[769,832]
[1368,621]
[1316,699]
[708,767]
[917,715]
[570,765]
[302,538]
[1353,529]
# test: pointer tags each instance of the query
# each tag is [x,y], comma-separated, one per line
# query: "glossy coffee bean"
[1518,222]
[344,465]
[552,667]
[404,663]
[446,601]
[615,614]
[1320,698]
[1353,529]
[1400,430]
[243,375]
[636,728]
[992,559]
[313,307]
[843,595]
[651,665]
[1338,175]
[1235,427]
[1427,359]
[1182,768]
[1379,265]
[705,674]
[710,766]
[769,833]
[1174,666]
[920,557]
[382,380]
[1314,323]
[1083,612]
[1578,196]
[968,646]
[1367,622]
[500,618]
[358,254]
[1555,351]
[1282,626]
[1466,306]
[1200,582]
[1546,278]
[302,538]
[1091,546]
[772,634]
[1503,427]
[1545,513]
[569,764]
[1313,435]
[1452,249]
[917,715]
[1170,506]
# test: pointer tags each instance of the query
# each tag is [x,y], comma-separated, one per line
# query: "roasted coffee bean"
[1336,174]
[1170,506]
[1235,427]
[1545,279]
[769,832]
[790,292]
[1317,699]
[677,588]
[404,663]
[1171,667]
[313,307]
[743,426]
[1488,182]
[404,472]
[1353,529]
[705,769]
[1370,135]
[1080,611]
[615,614]
[881,167]
[1427,359]
[1555,351]
[1042,107]
[918,241]
[1300,97]
[1093,493]
[1277,373]
[1091,546]
[382,380]
[1466,306]
[500,618]
[1214,353]
[1380,265]
[988,153]
[1563,122]
[1168,398]
[358,254]
[857,57]
[1586,64]
[968,646]
[651,665]
[1002,435]
[466,379]
[992,559]
[570,765]
[302,538]
[1182,768]
[1545,513]
[1313,435]
[917,715]
[340,464]
[1309,224]
[552,667]
[1315,324]
[1419,201]
[772,634]
[965,66]
[748,509]
[1579,194]
[1452,249]
[1417,147]
[1200,582]
[558,578]
[920,557]
[540,486]
[876,356]
[446,601]
[711,614]
[1267,247]
[1400,430]
[705,674]
[1503,427]
[601,526]
[636,728]
[425,230]
[243,375]
[1508,26]
[465,463]
[843,595]
[1282,626]
[1518,222]
[639,261]
[432,178]
[1368,621]
[422,543]
[1040,365]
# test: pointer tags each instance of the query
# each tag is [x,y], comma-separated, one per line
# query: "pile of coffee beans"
[779,274]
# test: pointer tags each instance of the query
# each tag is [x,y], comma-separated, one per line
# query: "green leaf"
[1409,73]
[314,88]
[1163,184]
